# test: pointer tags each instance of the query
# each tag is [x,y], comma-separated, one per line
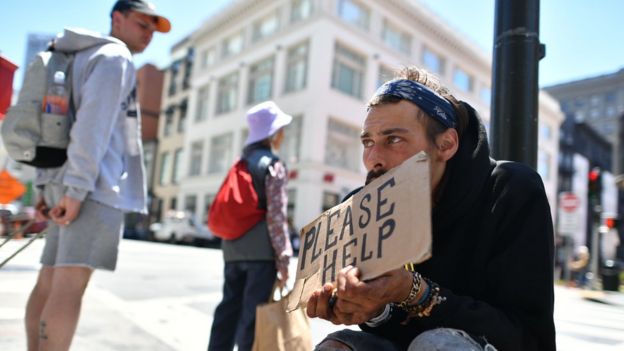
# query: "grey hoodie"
[105,156]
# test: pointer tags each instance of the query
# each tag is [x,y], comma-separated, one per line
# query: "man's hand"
[319,305]
[41,210]
[282,276]
[358,301]
[65,211]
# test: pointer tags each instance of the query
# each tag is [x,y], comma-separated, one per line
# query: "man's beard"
[374,174]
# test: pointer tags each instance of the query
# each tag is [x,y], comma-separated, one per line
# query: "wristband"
[382,318]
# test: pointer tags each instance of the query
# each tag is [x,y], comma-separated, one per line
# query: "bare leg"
[60,314]
[35,305]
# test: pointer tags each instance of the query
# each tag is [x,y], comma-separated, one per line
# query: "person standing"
[253,260]
[85,199]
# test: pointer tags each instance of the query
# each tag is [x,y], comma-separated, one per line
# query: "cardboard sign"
[384,226]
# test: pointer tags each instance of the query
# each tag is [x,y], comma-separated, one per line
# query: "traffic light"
[611,222]
[595,183]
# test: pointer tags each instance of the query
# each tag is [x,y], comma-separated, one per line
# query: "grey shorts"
[91,240]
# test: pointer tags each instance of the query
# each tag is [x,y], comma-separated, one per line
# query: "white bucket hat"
[264,120]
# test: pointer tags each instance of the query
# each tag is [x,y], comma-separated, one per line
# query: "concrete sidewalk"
[162,298]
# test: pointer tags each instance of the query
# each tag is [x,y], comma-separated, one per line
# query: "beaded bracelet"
[425,305]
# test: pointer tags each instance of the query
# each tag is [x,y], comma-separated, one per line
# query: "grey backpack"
[31,136]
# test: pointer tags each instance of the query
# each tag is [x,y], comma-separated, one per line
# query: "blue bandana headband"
[429,101]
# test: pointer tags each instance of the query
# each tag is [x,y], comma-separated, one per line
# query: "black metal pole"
[517,51]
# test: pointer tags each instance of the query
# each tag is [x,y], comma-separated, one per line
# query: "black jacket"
[492,253]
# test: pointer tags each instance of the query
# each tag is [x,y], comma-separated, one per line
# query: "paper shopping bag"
[278,330]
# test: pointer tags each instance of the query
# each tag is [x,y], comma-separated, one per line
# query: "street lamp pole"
[517,51]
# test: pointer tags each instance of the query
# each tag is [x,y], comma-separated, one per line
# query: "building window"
[173,77]
[385,74]
[202,104]
[165,169]
[260,81]
[190,204]
[396,39]
[354,13]
[173,204]
[292,141]
[148,161]
[182,119]
[595,100]
[220,153]
[343,148]
[227,93]
[168,120]
[208,58]
[195,162]
[296,68]
[208,199]
[486,95]
[265,27]
[232,45]
[348,71]
[545,132]
[188,68]
[300,10]
[543,164]
[177,161]
[462,80]
[433,62]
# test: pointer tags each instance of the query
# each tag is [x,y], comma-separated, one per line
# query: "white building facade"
[320,61]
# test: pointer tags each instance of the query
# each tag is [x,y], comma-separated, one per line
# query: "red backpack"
[235,209]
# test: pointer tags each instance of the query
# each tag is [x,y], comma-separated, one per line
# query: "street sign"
[569,206]
[10,188]
[569,202]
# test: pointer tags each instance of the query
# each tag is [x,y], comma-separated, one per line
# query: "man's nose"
[374,159]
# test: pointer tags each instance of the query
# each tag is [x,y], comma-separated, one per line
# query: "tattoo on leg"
[42,331]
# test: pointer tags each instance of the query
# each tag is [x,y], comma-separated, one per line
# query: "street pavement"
[162,298]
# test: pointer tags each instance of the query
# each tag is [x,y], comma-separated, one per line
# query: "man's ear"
[447,144]
[115,20]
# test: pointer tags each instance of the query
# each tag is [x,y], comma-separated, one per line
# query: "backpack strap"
[258,162]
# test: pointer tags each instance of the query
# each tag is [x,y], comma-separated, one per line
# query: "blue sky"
[582,38]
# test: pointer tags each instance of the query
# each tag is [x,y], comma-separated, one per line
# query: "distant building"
[35,43]
[174,110]
[149,94]
[593,130]
[149,83]
[320,61]
[597,101]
